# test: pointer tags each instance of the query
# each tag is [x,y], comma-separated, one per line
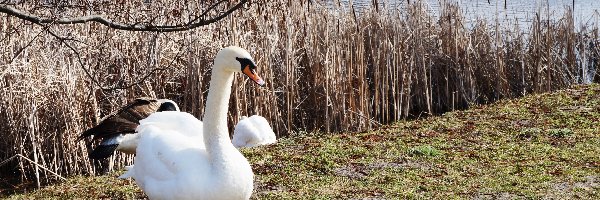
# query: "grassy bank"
[543,145]
[327,68]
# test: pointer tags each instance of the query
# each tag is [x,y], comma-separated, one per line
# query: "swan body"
[253,131]
[117,130]
[178,157]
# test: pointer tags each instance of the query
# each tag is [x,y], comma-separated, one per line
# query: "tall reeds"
[327,68]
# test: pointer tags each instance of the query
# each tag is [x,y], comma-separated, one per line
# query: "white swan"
[172,163]
[117,130]
[253,131]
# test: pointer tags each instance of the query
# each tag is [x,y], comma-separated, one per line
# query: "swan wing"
[266,134]
[245,134]
[170,159]
[253,131]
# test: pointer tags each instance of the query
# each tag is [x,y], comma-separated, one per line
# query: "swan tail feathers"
[127,174]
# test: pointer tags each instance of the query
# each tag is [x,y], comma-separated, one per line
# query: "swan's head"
[236,59]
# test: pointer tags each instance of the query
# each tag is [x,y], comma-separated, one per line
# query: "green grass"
[545,145]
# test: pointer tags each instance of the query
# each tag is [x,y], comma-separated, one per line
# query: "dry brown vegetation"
[327,69]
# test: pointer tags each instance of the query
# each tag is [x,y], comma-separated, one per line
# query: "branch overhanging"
[195,23]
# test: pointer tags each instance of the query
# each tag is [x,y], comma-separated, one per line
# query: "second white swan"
[253,131]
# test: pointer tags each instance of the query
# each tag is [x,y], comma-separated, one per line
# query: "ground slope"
[539,146]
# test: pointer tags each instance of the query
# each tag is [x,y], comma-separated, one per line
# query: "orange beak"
[252,75]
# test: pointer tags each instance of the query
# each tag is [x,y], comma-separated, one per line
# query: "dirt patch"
[574,190]
[562,190]
[353,171]
[498,196]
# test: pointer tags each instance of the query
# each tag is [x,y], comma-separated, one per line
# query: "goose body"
[117,130]
[178,157]
[253,131]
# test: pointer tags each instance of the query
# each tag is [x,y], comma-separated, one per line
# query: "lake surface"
[585,11]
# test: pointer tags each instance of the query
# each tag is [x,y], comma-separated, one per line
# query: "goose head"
[236,59]
[167,105]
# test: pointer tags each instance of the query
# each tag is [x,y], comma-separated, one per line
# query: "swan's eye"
[245,62]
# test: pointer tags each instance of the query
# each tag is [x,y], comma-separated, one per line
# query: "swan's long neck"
[216,133]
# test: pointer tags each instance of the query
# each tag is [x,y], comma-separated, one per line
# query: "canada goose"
[117,130]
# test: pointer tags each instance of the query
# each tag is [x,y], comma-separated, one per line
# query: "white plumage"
[179,157]
[253,131]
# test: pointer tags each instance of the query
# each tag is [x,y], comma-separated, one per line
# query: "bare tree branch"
[200,20]
[197,22]
[207,10]
[45,29]
[116,86]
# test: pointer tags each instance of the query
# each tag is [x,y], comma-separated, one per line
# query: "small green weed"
[426,150]
[529,133]
[560,133]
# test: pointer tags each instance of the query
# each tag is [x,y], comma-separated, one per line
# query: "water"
[586,12]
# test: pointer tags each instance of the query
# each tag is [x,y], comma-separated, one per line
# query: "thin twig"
[6,161]
[96,82]
[31,161]
[206,11]
[27,45]
[44,168]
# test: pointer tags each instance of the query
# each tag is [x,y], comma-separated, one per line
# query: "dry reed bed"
[326,68]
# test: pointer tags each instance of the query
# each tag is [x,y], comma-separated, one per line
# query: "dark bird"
[117,130]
